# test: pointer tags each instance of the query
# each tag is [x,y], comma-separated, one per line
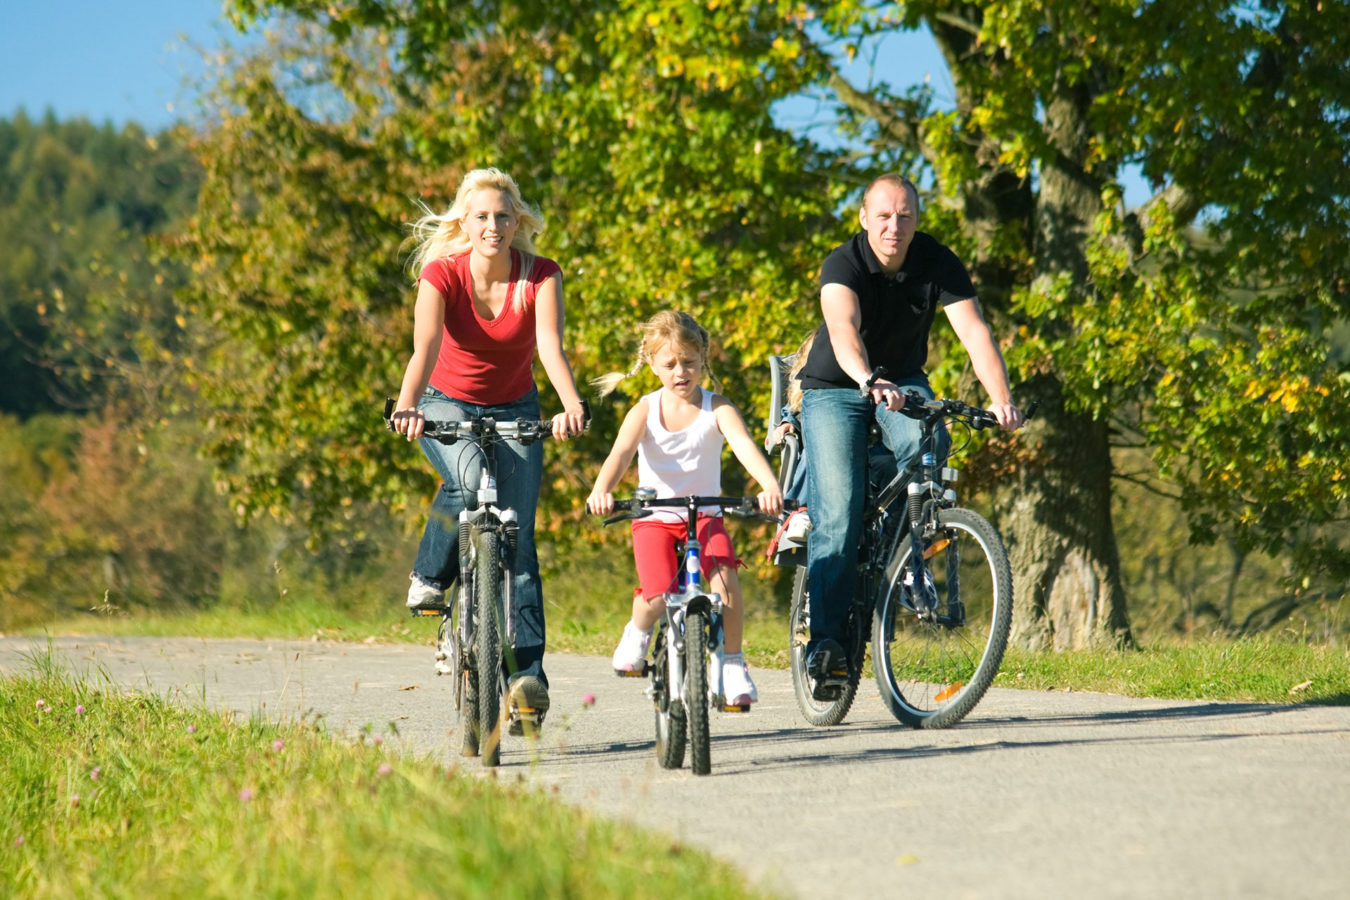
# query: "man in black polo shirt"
[879,293]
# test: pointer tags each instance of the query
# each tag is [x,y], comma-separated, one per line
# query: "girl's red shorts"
[654,552]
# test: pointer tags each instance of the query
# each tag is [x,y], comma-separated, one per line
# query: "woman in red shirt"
[486,302]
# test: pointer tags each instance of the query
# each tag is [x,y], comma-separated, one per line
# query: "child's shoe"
[631,654]
[737,688]
[795,530]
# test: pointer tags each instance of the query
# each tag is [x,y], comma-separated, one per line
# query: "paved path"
[1042,795]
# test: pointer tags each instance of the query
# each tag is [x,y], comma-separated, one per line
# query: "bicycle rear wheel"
[932,670]
[830,711]
[670,724]
[487,612]
[696,691]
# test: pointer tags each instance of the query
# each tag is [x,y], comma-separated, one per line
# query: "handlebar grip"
[389,413]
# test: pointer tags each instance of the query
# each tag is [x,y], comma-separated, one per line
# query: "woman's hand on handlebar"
[570,422]
[600,503]
[408,421]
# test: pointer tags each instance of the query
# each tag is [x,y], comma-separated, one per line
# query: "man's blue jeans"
[520,468]
[835,424]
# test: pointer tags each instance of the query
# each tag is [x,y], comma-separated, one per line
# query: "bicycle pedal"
[736,707]
[426,611]
[640,672]
[523,720]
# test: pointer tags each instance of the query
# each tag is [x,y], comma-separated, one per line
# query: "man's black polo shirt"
[897,313]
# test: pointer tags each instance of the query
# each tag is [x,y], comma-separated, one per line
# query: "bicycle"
[934,592]
[688,638]
[470,636]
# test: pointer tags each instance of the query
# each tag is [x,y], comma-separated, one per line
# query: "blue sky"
[119,60]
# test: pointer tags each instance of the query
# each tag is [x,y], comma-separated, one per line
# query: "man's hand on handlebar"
[887,393]
[1009,417]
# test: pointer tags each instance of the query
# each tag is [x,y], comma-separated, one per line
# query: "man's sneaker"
[737,688]
[424,596]
[631,654]
[528,696]
[828,667]
[795,530]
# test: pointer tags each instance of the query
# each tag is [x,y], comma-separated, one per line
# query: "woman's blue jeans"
[835,424]
[520,468]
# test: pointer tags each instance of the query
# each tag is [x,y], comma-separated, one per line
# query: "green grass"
[108,794]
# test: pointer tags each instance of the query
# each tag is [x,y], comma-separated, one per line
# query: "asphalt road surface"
[1036,794]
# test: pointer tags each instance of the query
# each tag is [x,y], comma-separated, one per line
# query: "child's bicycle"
[478,620]
[688,637]
[934,593]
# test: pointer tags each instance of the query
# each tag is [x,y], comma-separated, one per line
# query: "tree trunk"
[1063,544]
[1061,541]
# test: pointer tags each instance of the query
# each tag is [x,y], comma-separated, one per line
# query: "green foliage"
[1200,324]
[84,285]
[111,794]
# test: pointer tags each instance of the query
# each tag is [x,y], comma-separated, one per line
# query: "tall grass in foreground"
[105,794]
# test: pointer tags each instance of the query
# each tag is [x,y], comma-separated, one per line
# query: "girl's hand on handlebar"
[771,501]
[600,503]
[408,421]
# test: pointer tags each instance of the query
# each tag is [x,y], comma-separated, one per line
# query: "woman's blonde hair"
[678,329]
[438,236]
[794,387]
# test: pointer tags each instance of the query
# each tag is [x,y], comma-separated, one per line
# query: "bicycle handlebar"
[639,507]
[525,431]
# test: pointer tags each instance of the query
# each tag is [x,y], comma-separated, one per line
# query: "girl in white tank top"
[677,433]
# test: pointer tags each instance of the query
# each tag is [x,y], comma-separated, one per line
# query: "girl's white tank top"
[681,463]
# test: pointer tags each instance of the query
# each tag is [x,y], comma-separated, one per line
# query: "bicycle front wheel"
[830,709]
[696,691]
[932,668]
[487,619]
[457,661]
[670,730]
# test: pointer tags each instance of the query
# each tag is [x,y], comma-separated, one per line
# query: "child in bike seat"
[677,433]
[798,525]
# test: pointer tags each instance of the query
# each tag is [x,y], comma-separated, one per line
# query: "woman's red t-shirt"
[485,361]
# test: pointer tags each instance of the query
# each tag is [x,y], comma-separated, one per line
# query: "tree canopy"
[84,281]
[1202,325]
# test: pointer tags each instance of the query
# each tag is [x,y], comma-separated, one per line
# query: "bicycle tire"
[466,685]
[696,691]
[670,724]
[932,673]
[817,712]
[487,612]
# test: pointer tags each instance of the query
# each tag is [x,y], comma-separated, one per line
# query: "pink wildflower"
[278,744]
[384,770]
[94,774]
[79,710]
[588,700]
[246,795]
